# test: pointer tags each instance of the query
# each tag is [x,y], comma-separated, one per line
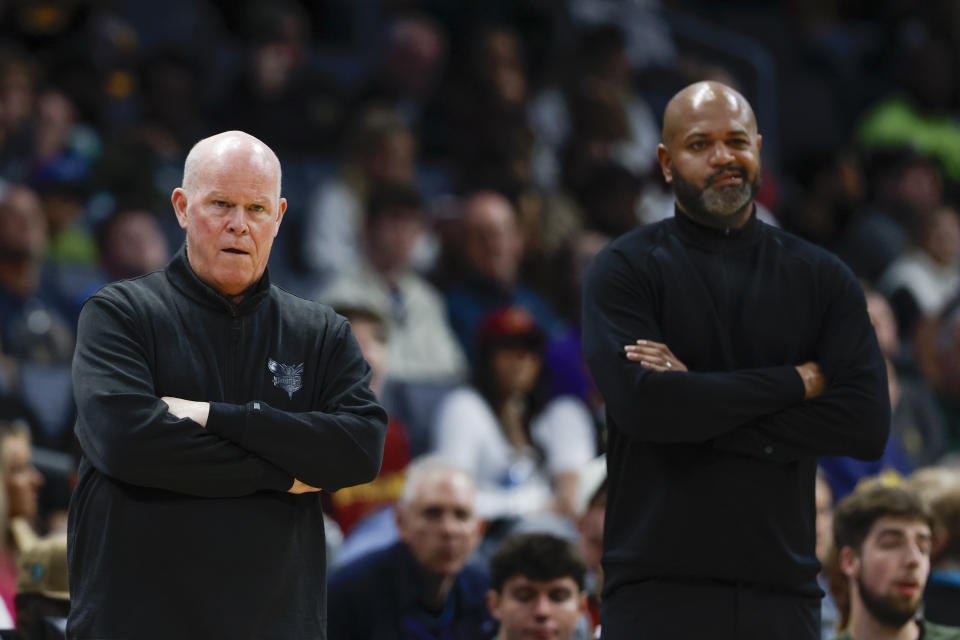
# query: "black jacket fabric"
[180,531]
[711,471]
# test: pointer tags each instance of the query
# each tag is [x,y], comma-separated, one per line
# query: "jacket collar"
[185,279]
[713,238]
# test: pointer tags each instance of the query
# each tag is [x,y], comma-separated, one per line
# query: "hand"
[813,380]
[301,487]
[654,355]
[180,408]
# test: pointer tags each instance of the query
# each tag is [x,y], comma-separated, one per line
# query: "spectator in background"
[42,582]
[523,451]
[422,345]
[17,94]
[22,483]
[490,246]
[599,66]
[280,96]
[130,244]
[537,589]
[591,511]
[31,323]
[381,151]
[883,538]
[352,504]
[939,488]
[823,502]
[422,586]
[925,278]
[409,68]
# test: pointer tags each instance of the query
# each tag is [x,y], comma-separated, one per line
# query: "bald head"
[692,102]
[228,148]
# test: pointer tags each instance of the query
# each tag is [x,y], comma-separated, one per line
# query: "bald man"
[211,408]
[731,355]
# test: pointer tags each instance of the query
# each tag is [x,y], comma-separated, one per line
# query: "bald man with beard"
[731,355]
[212,407]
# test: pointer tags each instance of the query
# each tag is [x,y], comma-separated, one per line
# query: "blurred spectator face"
[891,570]
[590,527]
[916,187]
[501,68]
[134,245]
[942,238]
[23,227]
[823,499]
[516,370]
[16,93]
[22,479]
[393,161]
[492,245]
[417,50]
[391,237]
[440,525]
[884,323]
[372,338]
[56,115]
[537,609]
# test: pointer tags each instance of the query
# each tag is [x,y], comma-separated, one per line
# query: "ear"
[941,536]
[666,163]
[179,200]
[281,209]
[493,603]
[849,562]
[759,142]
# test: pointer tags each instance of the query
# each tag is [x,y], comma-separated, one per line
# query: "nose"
[237,223]
[541,607]
[720,154]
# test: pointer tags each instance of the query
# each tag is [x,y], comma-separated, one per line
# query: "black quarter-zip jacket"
[180,531]
[712,471]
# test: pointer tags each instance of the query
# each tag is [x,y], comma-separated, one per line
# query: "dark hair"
[537,556]
[391,199]
[856,514]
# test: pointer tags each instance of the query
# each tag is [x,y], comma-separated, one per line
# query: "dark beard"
[694,202]
[883,610]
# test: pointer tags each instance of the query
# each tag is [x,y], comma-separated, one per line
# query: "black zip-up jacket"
[711,471]
[180,531]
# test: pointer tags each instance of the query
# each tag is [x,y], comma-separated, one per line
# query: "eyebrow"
[701,134]
[222,196]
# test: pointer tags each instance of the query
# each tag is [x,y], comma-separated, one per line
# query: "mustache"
[739,171]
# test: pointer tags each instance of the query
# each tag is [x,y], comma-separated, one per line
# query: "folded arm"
[651,405]
[126,431]
[338,445]
[852,415]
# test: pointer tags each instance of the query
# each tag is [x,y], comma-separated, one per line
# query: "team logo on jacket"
[288,377]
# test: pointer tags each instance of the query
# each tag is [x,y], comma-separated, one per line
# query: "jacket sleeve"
[339,444]
[125,431]
[852,415]
[618,309]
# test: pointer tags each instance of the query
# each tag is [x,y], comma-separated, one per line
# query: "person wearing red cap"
[523,451]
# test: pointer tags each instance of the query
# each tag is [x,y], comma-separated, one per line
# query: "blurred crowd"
[451,168]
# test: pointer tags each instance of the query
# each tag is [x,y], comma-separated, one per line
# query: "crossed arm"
[216,449]
[199,412]
[778,414]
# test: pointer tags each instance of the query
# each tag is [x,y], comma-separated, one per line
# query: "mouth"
[727,178]
[907,587]
[239,252]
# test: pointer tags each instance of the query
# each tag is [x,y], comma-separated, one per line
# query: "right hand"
[302,487]
[813,380]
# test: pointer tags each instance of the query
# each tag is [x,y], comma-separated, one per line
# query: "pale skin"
[231,209]
[707,127]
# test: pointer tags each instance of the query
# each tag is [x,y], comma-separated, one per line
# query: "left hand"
[654,355]
[180,408]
